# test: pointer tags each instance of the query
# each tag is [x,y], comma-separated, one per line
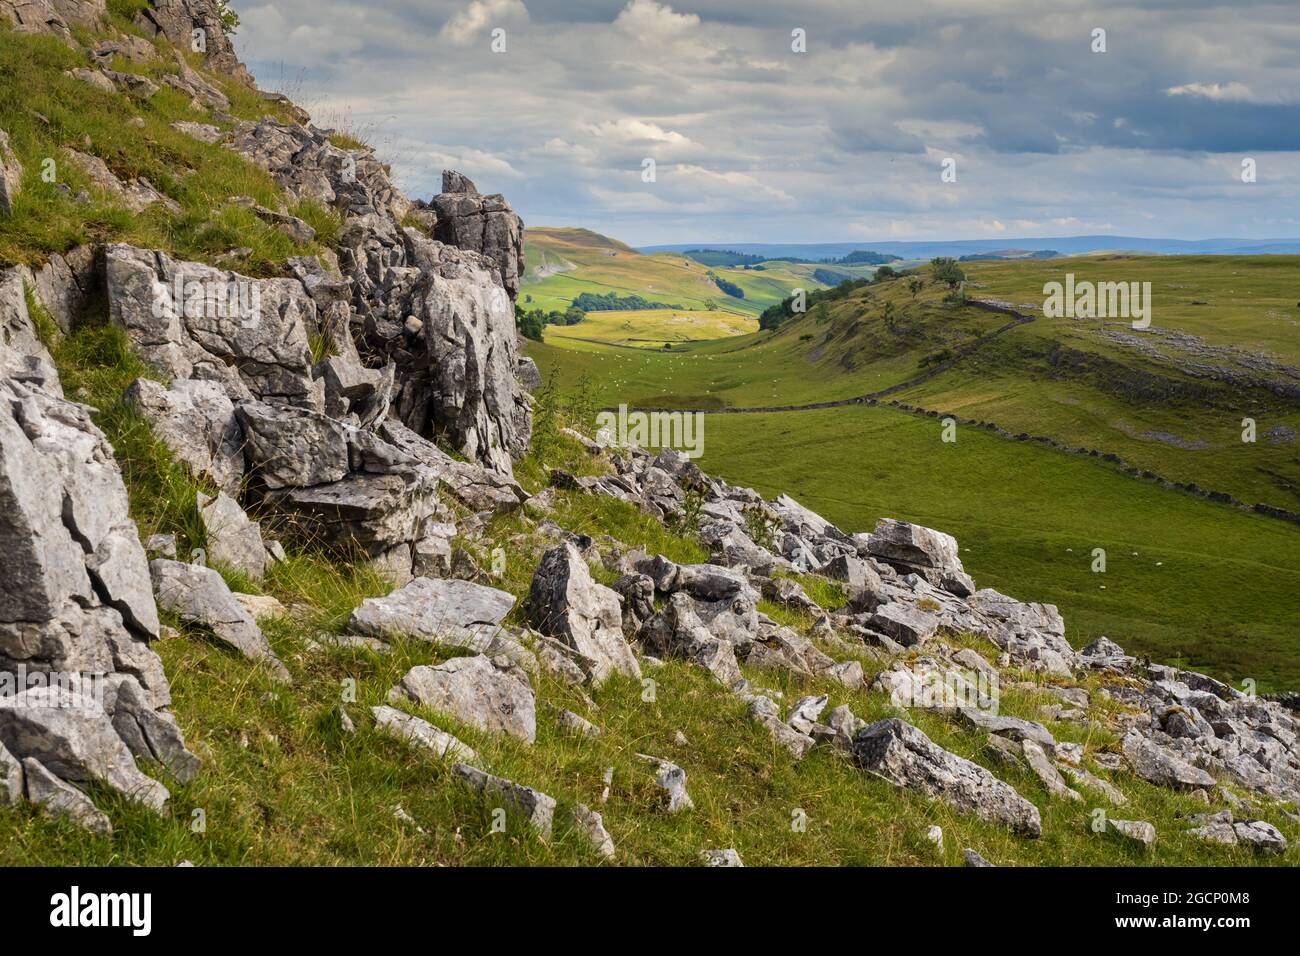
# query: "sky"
[559,104]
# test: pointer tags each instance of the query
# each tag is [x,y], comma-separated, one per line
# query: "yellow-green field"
[653,328]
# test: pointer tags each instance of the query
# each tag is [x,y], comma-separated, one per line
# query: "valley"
[1168,401]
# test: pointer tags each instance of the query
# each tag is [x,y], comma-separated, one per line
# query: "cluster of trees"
[613,302]
[532,322]
[730,288]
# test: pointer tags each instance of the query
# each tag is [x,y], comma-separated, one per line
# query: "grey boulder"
[490,694]
[566,603]
[443,610]
[906,757]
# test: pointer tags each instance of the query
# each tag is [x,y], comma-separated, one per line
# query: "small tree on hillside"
[945,269]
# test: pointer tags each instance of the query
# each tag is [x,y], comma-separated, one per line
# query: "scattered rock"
[575,726]
[591,825]
[568,605]
[446,611]
[1046,771]
[1136,830]
[535,807]
[200,596]
[721,858]
[231,537]
[671,779]
[58,799]
[422,734]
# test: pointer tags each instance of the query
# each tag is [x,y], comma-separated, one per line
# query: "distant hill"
[1009,254]
[1065,245]
[579,267]
[550,250]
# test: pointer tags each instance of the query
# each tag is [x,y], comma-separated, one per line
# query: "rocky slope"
[367,405]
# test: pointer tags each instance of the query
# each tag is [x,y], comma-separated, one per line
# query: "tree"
[915,285]
[529,323]
[945,269]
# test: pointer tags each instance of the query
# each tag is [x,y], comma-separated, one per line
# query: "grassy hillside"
[652,328]
[46,112]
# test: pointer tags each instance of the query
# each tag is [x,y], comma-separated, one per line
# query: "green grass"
[282,784]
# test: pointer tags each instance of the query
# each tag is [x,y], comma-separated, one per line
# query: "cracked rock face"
[191,321]
[196,421]
[484,224]
[77,595]
[73,738]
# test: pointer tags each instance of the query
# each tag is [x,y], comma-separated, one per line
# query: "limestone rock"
[420,733]
[58,799]
[905,756]
[671,779]
[1157,765]
[189,320]
[567,604]
[11,778]
[483,224]
[1260,836]
[200,595]
[446,611]
[1045,770]
[490,694]
[1139,831]
[11,175]
[535,807]
[721,858]
[73,738]
[231,537]
[196,421]
[592,826]
[677,631]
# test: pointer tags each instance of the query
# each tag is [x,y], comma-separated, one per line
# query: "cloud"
[468,24]
[1239,92]
[646,19]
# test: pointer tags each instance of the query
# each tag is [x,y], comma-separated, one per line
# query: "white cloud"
[647,19]
[468,24]
[1239,92]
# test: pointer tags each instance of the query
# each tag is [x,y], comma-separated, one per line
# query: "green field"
[1224,595]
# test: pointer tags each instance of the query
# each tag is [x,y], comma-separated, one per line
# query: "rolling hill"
[561,264]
